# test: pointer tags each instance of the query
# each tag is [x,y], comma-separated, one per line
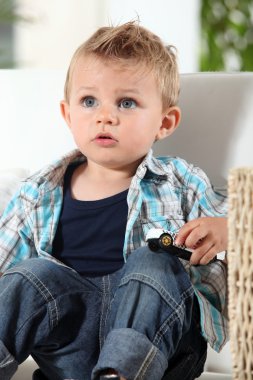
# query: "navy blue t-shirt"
[90,234]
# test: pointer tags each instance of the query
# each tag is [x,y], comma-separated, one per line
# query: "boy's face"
[115,113]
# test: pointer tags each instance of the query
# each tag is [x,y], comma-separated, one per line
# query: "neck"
[99,173]
[93,183]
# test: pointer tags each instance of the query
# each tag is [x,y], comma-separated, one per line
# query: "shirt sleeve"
[16,240]
[209,281]
[201,198]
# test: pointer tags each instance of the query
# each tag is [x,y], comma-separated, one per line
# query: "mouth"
[104,136]
[105,139]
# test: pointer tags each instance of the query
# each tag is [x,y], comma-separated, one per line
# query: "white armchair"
[216,133]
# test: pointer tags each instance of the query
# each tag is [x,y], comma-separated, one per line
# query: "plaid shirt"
[165,192]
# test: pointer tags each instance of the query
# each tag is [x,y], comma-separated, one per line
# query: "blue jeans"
[142,320]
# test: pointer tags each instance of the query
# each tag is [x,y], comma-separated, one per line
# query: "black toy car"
[158,238]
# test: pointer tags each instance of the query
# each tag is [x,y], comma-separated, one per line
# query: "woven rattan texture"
[240,271]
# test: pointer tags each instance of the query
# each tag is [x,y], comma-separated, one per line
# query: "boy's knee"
[36,273]
[33,285]
[143,260]
[38,267]
[157,267]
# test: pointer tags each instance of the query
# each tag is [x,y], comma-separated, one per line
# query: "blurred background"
[210,35]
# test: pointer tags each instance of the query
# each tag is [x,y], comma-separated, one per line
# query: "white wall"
[60,26]
[57,29]
[175,21]
[32,131]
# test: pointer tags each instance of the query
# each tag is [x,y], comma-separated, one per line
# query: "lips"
[105,140]
[105,136]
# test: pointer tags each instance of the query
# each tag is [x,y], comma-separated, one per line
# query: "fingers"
[192,234]
[206,236]
[204,254]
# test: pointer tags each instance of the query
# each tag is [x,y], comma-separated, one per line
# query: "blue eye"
[89,101]
[127,103]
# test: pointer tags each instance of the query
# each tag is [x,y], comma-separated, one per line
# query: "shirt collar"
[152,167]
[52,175]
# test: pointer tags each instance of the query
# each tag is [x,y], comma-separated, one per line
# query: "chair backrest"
[216,131]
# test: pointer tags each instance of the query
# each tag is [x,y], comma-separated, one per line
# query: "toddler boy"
[81,291]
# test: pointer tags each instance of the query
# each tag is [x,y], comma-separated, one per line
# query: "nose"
[107,115]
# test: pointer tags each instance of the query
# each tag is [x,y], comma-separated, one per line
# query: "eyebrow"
[120,90]
[89,88]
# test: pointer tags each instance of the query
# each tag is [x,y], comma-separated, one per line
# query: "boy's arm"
[205,231]
[16,241]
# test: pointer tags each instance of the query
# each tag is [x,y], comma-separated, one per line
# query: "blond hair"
[132,43]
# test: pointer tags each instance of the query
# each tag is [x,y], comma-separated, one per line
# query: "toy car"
[158,238]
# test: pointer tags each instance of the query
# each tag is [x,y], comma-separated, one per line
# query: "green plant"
[9,13]
[226,35]
[9,16]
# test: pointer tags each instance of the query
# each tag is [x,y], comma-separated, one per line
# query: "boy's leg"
[51,312]
[189,359]
[150,314]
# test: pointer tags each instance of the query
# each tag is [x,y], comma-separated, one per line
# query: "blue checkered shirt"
[165,192]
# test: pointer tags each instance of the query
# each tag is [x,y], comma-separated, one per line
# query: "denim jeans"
[142,320]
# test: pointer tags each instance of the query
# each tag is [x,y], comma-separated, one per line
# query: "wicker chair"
[240,271]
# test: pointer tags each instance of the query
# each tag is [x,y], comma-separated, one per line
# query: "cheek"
[148,129]
[78,130]
[140,140]
[78,122]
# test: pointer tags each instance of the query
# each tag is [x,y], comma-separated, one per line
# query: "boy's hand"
[206,236]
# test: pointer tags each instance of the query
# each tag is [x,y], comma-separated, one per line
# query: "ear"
[170,122]
[65,111]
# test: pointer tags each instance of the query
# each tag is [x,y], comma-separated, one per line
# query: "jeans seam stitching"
[100,323]
[155,285]
[104,311]
[45,293]
[172,318]
[152,283]
[164,328]
[6,361]
[146,363]
[109,304]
